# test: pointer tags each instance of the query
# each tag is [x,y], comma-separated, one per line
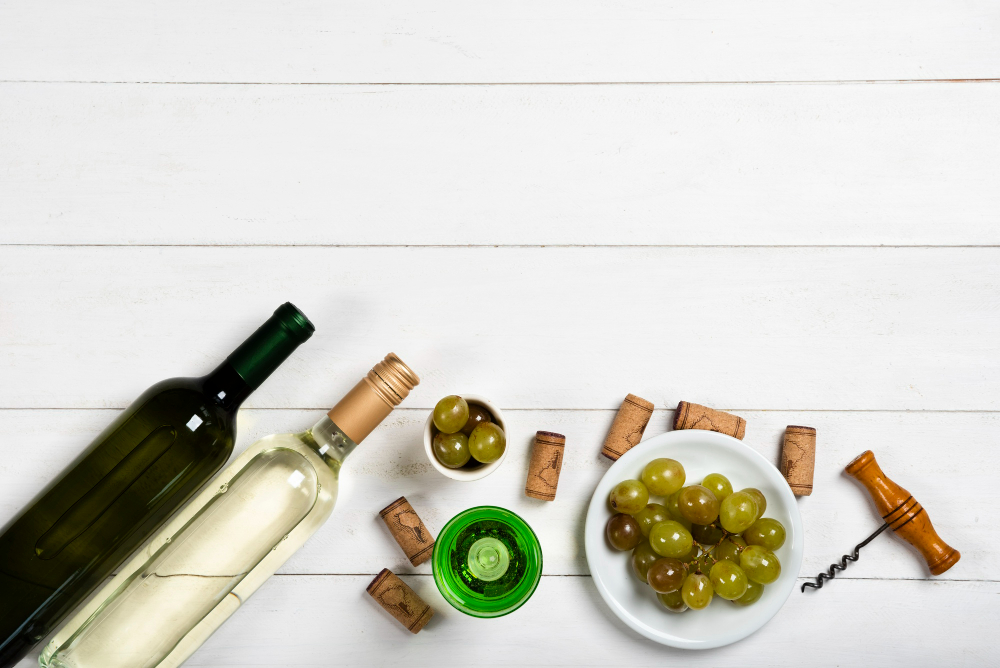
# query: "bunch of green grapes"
[704,540]
[465,433]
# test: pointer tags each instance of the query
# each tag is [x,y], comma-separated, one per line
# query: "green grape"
[728,580]
[760,564]
[451,414]
[706,535]
[629,496]
[663,476]
[670,539]
[673,601]
[719,484]
[477,415]
[653,513]
[703,564]
[698,505]
[642,558]
[766,532]
[623,532]
[674,509]
[692,554]
[754,591]
[730,549]
[759,497]
[697,591]
[487,442]
[452,450]
[737,512]
[666,575]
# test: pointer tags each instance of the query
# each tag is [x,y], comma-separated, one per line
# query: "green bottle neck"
[227,387]
[273,342]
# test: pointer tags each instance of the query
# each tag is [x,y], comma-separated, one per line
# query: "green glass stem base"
[487,562]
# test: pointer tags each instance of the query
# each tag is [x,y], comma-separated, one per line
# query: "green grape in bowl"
[760,564]
[629,496]
[737,512]
[766,532]
[697,591]
[718,484]
[451,414]
[487,443]
[673,507]
[753,593]
[666,575]
[477,416]
[703,562]
[670,539]
[698,505]
[707,535]
[673,601]
[728,580]
[730,548]
[663,476]
[452,450]
[692,554]
[623,532]
[643,557]
[651,515]
[759,497]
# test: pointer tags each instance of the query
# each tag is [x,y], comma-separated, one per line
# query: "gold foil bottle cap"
[373,398]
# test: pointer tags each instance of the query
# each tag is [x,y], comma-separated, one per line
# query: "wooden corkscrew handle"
[904,514]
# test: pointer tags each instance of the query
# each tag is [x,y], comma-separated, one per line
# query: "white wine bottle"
[221,548]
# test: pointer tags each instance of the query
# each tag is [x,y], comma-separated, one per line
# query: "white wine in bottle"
[233,536]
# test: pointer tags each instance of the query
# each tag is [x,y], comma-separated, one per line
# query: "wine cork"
[400,601]
[408,530]
[626,430]
[696,416]
[546,463]
[798,458]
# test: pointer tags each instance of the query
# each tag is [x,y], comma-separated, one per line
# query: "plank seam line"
[587,575]
[749,82]
[984,411]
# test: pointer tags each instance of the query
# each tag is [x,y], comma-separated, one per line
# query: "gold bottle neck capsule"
[373,398]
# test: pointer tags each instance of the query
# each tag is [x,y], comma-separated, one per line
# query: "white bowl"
[467,474]
[701,452]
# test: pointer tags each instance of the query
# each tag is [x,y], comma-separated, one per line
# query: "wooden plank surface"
[501,41]
[772,328]
[847,626]
[312,620]
[886,164]
[157,158]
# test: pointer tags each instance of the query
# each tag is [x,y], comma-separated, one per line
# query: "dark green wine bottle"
[147,463]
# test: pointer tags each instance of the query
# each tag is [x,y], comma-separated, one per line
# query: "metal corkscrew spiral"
[842,566]
[902,513]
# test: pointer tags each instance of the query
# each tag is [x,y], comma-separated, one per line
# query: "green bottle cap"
[487,562]
[271,344]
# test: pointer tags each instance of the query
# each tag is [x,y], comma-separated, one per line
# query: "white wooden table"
[781,209]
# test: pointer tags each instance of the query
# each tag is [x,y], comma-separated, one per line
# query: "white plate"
[701,452]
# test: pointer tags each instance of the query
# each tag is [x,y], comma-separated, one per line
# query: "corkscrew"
[901,513]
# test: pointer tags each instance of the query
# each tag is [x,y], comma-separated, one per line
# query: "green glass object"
[126,484]
[487,562]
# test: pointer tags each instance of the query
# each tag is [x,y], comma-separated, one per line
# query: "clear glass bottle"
[222,547]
